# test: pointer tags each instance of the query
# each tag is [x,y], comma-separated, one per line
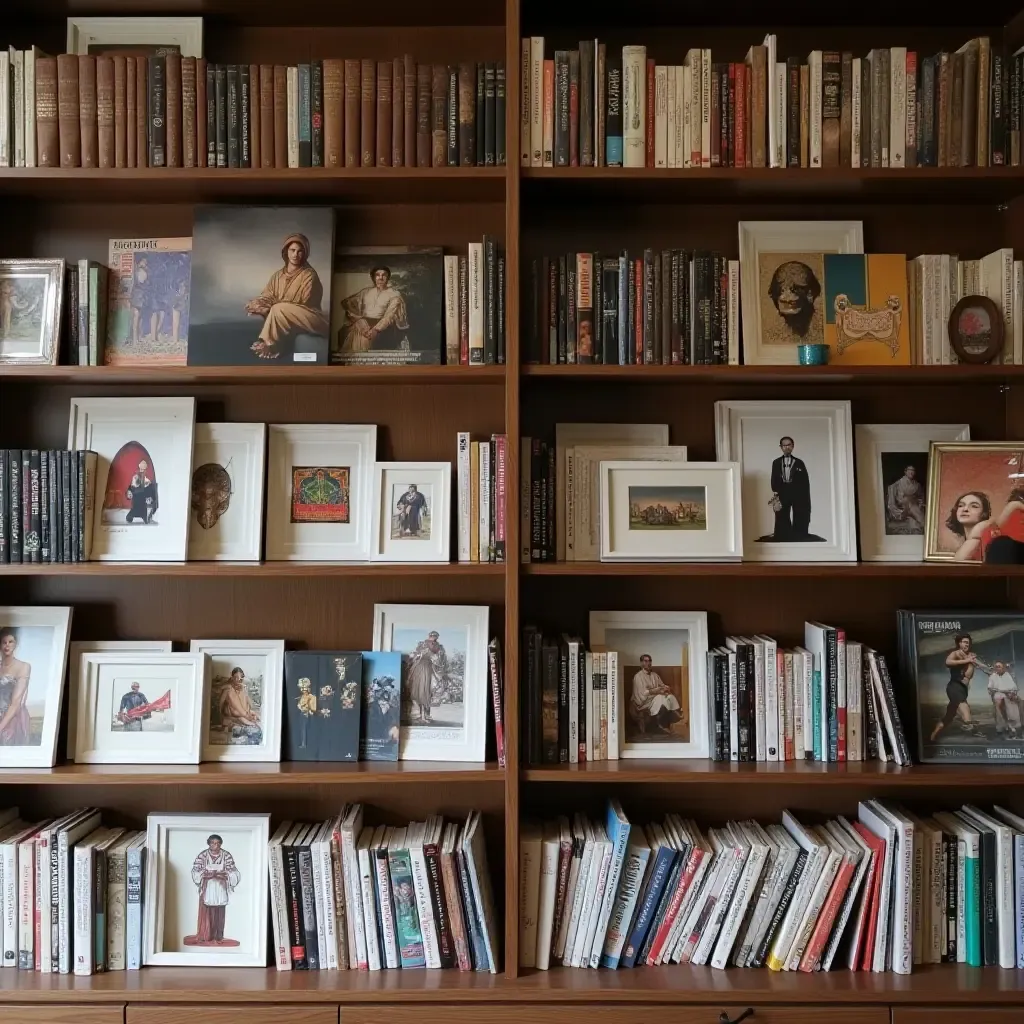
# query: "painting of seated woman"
[261,286]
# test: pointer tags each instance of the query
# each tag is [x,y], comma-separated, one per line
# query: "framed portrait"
[206,890]
[387,306]
[892,486]
[670,511]
[444,678]
[975,510]
[976,329]
[136,35]
[140,708]
[662,696]
[33,652]
[80,647]
[320,492]
[261,285]
[796,460]
[411,511]
[781,293]
[226,507]
[242,712]
[143,473]
[31,296]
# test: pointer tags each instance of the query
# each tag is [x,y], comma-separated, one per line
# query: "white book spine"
[547,887]
[5,109]
[451,309]
[476,303]
[760,751]
[776,887]
[603,860]
[26,905]
[387,923]
[745,889]
[814,108]
[579,895]
[608,895]
[771,701]
[292,95]
[574,703]
[278,911]
[687,116]
[855,114]
[661,116]
[705,108]
[794,915]
[485,502]
[671,117]
[465,488]
[536,95]
[83,939]
[733,310]
[355,923]
[366,874]
[614,692]
[731,871]
[818,896]
[135,871]
[680,133]
[316,867]
[30,107]
[42,898]
[524,102]
[693,902]
[780,114]
[634,97]
[897,106]
[9,852]
[65,874]
[431,950]
[19,108]
[625,904]
[903,935]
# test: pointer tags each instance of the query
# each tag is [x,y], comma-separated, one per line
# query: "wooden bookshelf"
[72,213]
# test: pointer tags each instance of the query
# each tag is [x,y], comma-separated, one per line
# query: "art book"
[149,295]
[323,695]
[382,705]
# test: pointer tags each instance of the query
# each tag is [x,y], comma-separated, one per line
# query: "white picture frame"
[124,433]
[433,481]
[170,842]
[822,523]
[184,33]
[757,236]
[38,291]
[105,684]
[878,514]
[33,653]
[228,461]
[633,634]
[711,532]
[225,656]
[335,446]
[582,469]
[80,647]
[462,631]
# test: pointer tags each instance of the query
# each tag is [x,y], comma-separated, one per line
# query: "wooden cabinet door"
[529,1013]
[960,1015]
[67,1014]
[228,1013]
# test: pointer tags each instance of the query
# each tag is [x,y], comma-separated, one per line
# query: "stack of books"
[481,495]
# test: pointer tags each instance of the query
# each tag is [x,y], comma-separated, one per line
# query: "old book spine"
[254,102]
[141,110]
[910,157]
[805,115]
[467,114]
[316,106]
[211,115]
[423,140]
[794,99]
[831,106]
[649,111]
[120,111]
[68,112]
[478,122]
[500,107]
[188,112]
[397,112]
[334,110]
[244,121]
[367,112]
[586,87]
[221,113]
[942,104]
[452,122]
[281,116]
[131,111]
[439,115]
[202,142]
[383,113]
[956,110]
[174,109]
[157,112]
[1000,91]
[267,132]
[351,113]
[865,112]
[48,150]
[410,110]
[233,116]
[846,110]
[983,105]
[105,110]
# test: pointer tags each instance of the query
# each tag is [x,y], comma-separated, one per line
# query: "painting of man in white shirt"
[653,706]
[1005,700]
[215,875]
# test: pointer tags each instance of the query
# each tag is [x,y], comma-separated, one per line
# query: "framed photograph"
[797,464]
[976,329]
[892,486]
[80,647]
[31,294]
[227,492]
[320,492]
[206,890]
[445,689]
[242,713]
[966,676]
[143,473]
[781,296]
[136,35]
[387,306]
[662,692]
[670,511]
[261,285]
[411,511]
[323,694]
[140,708]
[33,652]
[975,502]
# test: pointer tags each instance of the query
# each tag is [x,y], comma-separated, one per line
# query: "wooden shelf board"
[286,773]
[257,569]
[803,184]
[368,185]
[780,570]
[895,375]
[268,374]
[706,772]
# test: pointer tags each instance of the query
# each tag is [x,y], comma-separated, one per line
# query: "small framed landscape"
[892,486]
[411,511]
[206,884]
[242,713]
[31,293]
[444,687]
[140,708]
[661,694]
[670,511]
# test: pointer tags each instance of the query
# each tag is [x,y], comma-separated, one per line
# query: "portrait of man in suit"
[791,497]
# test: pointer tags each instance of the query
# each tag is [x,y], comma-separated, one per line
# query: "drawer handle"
[724,1018]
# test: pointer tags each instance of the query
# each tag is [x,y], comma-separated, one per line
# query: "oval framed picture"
[976,329]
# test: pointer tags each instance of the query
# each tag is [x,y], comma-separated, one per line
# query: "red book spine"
[685,880]
[495,672]
[500,450]
[739,145]
[638,299]
[826,919]
[871,925]
[649,133]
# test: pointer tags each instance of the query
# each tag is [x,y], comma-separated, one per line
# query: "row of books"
[345,896]
[885,892]
[46,505]
[597,106]
[481,499]
[73,894]
[171,111]
[674,306]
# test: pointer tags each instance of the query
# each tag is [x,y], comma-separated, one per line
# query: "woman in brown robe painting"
[291,300]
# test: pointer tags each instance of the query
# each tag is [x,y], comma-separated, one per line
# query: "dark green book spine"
[158,111]
[232,115]
[244,109]
[316,100]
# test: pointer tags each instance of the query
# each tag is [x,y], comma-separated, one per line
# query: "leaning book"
[965,674]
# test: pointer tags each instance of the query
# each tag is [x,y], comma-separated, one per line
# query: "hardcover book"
[323,694]
[381,711]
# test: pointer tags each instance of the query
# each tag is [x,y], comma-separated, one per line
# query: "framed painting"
[412,511]
[31,297]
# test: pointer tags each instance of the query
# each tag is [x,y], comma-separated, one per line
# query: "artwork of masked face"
[211,494]
[794,290]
